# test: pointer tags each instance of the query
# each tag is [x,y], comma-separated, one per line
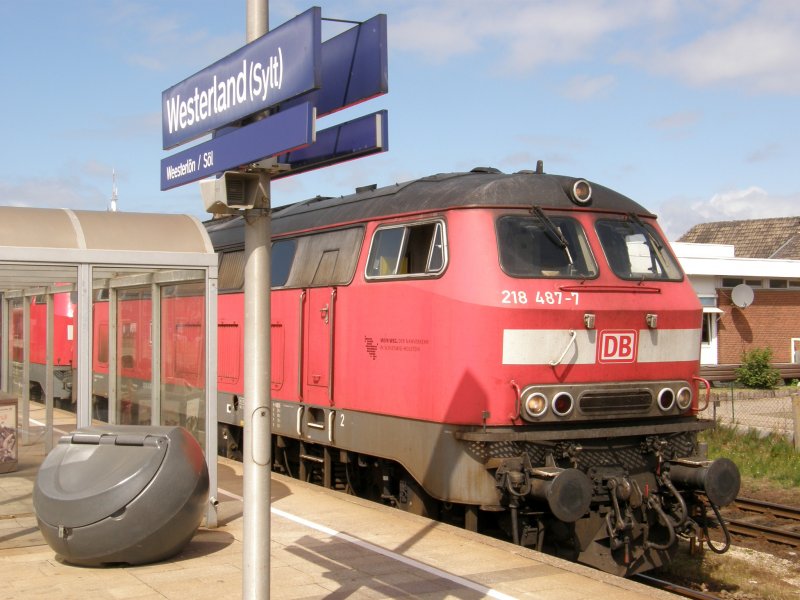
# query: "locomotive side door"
[320,317]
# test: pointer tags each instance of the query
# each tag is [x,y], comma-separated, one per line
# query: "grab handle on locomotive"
[572,337]
[708,391]
[718,479]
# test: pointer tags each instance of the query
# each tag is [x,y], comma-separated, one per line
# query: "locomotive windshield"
[536,247]
[634,250]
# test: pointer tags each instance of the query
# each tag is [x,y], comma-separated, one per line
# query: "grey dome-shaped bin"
[121,494]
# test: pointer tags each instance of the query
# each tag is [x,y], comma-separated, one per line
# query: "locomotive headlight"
[581,192]
[666,399]
[563,404]
[684,398]
[534,403]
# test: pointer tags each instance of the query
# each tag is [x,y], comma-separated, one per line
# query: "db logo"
[617,346]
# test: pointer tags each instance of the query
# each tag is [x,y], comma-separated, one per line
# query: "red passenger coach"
[63,345]
[512,353]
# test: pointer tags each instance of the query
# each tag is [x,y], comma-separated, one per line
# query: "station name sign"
[276,67]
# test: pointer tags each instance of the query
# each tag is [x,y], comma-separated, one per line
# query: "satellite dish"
[742,295]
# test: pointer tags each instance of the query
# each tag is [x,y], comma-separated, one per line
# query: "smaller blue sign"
[278,133]
[354,139]
[278,66]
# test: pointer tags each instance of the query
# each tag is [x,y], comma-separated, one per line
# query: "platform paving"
[324,545]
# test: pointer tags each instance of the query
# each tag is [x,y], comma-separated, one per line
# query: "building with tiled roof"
[777,238]
[762,255]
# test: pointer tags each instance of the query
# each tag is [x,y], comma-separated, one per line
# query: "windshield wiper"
[647,231]
[554,232]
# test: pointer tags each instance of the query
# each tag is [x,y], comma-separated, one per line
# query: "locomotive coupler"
[718,479]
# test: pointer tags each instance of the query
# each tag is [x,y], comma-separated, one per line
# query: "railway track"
[782,527]
[674,588]
[768,508]
[786,533]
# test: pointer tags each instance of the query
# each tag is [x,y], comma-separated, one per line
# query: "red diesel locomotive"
[515,353]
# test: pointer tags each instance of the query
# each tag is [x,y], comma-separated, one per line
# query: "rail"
[770,533]
[674,588]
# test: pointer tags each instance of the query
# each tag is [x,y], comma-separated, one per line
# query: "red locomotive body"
[502,351]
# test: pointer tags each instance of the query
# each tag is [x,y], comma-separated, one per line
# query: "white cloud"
[679,120]
[531,33]
[585,87]
[164,38]
[678,215]
[752,46]
[766,153]
[53,192]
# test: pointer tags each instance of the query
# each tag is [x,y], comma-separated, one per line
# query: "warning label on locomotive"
[394,344]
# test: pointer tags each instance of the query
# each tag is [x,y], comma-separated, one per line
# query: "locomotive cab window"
[544,247]
[416,250]
[635,250]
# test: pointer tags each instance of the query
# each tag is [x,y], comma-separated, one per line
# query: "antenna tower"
[112,207]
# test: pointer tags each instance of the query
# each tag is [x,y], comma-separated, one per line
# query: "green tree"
[756,370]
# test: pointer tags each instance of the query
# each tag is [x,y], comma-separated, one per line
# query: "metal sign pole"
[257,427]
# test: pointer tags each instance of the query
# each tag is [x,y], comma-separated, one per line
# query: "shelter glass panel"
[100,357]
[15,347]
[183,358]
[134,356]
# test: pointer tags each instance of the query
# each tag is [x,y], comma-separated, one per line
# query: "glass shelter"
[109,317]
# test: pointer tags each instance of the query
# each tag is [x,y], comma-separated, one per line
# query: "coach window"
[408,250]
[554,247]
[634,250]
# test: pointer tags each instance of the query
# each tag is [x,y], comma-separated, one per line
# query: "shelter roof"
[42,246]
[89,230]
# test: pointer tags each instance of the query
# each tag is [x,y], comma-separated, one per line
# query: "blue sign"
[283,131]
[355,68]
[276,67]
[354,139]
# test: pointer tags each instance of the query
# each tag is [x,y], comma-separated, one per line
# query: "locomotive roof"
[481,187]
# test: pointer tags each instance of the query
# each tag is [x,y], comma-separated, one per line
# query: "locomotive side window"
[634,250]
[407,250]
[282,258]
[231,266]
[325,259]
[231,270]
[530,247]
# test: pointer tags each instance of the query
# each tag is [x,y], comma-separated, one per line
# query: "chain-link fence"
[767,411]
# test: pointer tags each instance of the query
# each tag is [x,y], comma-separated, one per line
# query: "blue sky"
[690,107]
